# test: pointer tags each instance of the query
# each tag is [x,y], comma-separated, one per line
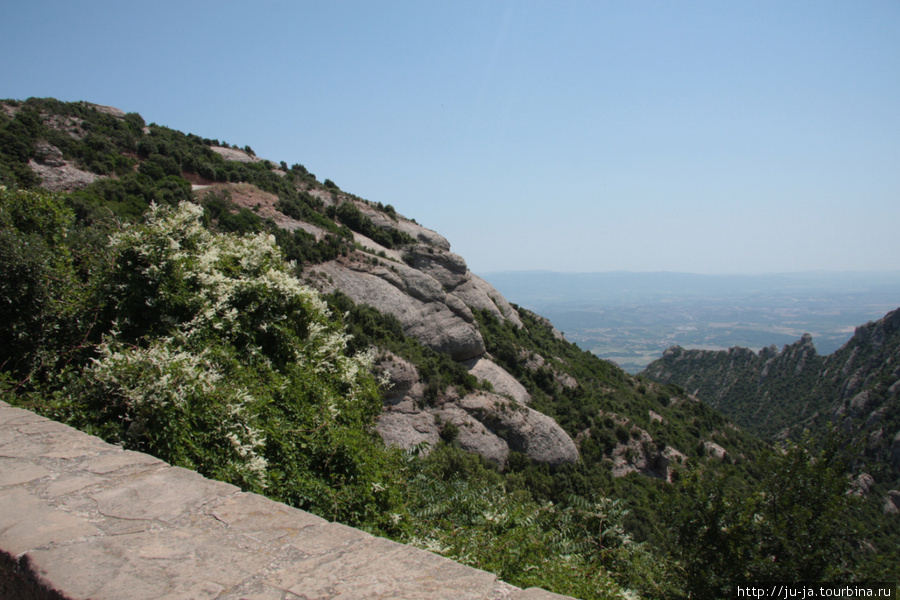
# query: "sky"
[566,135]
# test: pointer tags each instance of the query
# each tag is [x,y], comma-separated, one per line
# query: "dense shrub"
[792,525]
[216,358]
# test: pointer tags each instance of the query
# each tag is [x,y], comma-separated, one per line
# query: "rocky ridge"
[780,393]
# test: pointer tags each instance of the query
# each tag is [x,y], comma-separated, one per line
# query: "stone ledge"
[80,518]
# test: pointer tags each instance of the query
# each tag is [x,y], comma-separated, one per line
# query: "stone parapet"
[80,518]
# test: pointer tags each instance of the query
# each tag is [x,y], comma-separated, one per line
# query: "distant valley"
[632,318]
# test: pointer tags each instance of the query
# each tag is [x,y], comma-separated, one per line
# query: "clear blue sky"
[710,137]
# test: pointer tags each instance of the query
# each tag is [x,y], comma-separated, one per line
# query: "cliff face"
[427,287]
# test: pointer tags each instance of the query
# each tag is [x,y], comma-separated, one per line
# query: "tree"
[793,525]
[40,287]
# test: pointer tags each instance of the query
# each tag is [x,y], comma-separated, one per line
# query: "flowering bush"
[215,358]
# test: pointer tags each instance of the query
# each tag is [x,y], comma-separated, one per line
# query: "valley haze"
[631,318]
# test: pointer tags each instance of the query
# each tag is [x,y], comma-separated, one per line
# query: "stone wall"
[80,518]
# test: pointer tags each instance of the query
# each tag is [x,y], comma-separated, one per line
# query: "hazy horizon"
[631,318]
[701,137]
[724,274]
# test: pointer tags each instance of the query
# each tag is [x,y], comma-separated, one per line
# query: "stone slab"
[164,494]
[176,563]
[16,471]
[376,568]
[10,415]
[27,523]
[262,519]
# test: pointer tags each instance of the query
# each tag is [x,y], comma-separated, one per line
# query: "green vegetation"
[353,218]
[792,525]
[180,329]
[201,349]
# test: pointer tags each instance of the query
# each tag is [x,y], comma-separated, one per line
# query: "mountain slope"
[520,435]
[113,163]
[777,393]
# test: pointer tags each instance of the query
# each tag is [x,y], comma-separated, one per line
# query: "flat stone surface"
[177,563]
[27,523]
[36,439]
[89,520]
[67,484]
[124,460]
[166,494]
[328,538]
[378,569]
[10,415]
[262,519]
[13,472]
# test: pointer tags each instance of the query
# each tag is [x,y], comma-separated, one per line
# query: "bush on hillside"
[215,358]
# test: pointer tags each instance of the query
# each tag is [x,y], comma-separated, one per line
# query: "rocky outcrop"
[892,503]
[450,271]
[235,154]
[640,454]
[428,288]
[422,234]
[483,422]
[501,381]
[523,429]
[424,309]
[57,174]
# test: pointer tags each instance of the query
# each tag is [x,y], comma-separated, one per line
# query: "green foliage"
[93,140]
[216,358]
[793,525]
[47,273]
[764,393]
[353,218]
[462,508]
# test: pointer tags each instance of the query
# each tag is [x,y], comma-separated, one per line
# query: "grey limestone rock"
[422,234]
[526,430]
[503,383]
[892,503]
[483,423]
[413,297]
[401,375]
[57,174]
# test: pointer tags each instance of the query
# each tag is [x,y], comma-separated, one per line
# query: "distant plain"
[632,318]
